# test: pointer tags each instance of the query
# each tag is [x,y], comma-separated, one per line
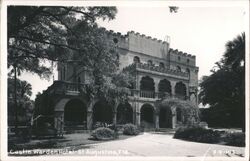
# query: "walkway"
[158,144]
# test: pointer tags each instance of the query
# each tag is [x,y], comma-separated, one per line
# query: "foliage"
[130,129]
[24,104]
[37,33]
[103,133]
[235,139]
[224,89]
[189,110]
[198,134]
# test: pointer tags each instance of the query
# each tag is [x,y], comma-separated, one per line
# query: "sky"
[199,31]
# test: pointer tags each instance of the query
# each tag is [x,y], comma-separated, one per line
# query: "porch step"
[70,129]
[166,130]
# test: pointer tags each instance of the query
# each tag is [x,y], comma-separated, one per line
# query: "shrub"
[198,134]
[130,129]
[235,139]
[103,133]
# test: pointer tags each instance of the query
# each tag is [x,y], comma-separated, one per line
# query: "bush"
[103,133]
[235,139]
[130,129]
[198,134]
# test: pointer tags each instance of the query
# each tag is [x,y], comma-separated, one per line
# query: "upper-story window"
[115,40]
[179,58]
[178,68]
[150,62]
[188,71]
[162,65]
[188,61]
[136,59]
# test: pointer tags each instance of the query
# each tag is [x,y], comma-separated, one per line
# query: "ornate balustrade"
[153,95]
[64,87]
[160,69]
[69,88]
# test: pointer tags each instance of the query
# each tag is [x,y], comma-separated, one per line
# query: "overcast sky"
[200,31]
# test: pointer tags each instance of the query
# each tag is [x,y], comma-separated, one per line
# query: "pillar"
[157,120]
[137,115]
[173,88]
[89,119]
[59,122]
[90,113]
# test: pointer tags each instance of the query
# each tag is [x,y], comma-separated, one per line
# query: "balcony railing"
[160,69]
[69,88]
[154,95]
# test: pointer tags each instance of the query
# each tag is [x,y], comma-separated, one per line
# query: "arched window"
[115,40]
[178,114]
[150,62]
[180,89]
[179,58]
[162,65]
[188,71]
[136,59]
[178,68]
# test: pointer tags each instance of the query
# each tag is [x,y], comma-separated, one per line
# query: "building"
[161,72]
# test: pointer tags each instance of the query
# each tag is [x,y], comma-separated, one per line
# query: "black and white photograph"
[125,80]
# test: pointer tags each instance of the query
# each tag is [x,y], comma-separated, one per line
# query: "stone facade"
[162,72]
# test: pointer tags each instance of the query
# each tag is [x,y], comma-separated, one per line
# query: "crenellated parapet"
[180,53]
[143,36]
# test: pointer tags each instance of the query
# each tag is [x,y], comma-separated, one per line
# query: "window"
[179,58]
[136,59]
[150,62]
[178,68]
[115,40]
[188,61]
[162,65]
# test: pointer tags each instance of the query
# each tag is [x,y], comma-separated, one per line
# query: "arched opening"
[188,72]
[161,65]
[164,88]
[165,118]
[124,114]
[147,87]
[102,112]
[147,116]
[136,59]
[178,68]
[75,113]
[178,114]
[180,89]
[150,62]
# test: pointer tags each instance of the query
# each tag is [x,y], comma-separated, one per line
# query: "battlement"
[181,53]
[146,37]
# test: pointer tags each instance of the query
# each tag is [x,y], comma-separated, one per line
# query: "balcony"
[67,88]
[160,70]
[73,89]
[153,95]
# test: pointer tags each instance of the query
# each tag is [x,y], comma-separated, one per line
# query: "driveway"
[159,144]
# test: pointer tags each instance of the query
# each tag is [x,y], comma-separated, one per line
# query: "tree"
[24,103]
[40,33]
[224,89]
[37,33]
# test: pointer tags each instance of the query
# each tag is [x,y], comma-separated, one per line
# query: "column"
[173,87]
[90,114]
[59,122]
[137,115]
[157,120]
[89,119]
